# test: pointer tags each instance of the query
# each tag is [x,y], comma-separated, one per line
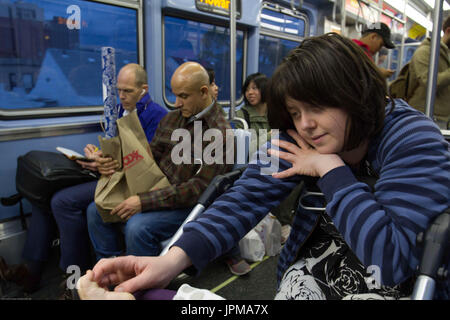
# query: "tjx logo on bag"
[131,159]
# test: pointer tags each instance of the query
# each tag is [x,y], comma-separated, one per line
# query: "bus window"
[207,44]
[281,30]
[271,51]
[283,22]
[51,51]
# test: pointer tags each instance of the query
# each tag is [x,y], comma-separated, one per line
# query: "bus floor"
[258,284]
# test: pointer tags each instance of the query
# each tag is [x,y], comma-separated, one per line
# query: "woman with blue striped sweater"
[329,101]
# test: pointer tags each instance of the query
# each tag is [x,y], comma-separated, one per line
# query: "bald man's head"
[190,85]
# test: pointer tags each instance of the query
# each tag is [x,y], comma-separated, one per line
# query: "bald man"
[152,217]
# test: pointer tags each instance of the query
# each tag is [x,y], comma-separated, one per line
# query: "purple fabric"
[155,294]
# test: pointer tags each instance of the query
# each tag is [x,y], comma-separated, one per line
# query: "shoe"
[65,293]
[31,283]
[20,275]
[238,266]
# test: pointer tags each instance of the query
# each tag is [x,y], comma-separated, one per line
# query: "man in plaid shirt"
[154,216]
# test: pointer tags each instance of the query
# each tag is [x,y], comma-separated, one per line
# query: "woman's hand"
[132,273]
[305,159]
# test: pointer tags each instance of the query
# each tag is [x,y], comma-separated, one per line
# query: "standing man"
[69,205]
[373,38]
[419,76]
[154,216]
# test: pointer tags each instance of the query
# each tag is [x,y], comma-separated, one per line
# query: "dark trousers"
[69,211]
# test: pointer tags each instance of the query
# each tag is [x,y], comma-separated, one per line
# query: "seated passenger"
[214,88]
[329,101]
[254,112]
[69,204]
[152,217]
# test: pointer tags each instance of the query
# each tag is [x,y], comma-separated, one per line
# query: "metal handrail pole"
[343,17]
[434,59]
[402,46]
[232,59]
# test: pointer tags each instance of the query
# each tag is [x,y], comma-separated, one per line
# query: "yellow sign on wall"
[416,31]
[221,7]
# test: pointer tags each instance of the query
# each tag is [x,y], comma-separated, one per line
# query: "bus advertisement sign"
[220,7]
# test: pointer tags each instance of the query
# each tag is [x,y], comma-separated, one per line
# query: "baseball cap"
[384,31]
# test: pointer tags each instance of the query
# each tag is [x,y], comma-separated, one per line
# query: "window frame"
[282,35]
[215,22]
[53,112]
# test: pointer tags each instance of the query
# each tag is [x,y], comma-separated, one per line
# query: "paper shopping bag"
[138,172]
[111,190]
[141,171]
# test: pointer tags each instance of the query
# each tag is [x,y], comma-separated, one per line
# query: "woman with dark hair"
[254,112]
[255,109]
[337,124]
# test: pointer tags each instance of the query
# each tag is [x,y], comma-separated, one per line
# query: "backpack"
[399,87]
[40,174]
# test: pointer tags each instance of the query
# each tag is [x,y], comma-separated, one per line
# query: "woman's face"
[253,94]
[214,89]
[322,127]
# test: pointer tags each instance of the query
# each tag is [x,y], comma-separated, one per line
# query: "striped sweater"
[412,160]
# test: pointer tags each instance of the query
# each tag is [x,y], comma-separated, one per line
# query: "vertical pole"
[343,17]
[232,59]
[434,58]
[402,48]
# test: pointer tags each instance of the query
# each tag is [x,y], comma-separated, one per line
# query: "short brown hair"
[330,71]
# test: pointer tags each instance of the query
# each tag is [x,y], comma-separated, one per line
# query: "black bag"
[40,174]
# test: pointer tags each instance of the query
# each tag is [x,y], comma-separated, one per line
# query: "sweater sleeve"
[236,212]
[413,189]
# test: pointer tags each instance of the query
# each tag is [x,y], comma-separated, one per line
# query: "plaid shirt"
[188,181]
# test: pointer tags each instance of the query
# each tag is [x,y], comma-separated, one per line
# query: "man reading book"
[69,205]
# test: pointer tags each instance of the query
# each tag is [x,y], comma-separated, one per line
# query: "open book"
[72,155]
